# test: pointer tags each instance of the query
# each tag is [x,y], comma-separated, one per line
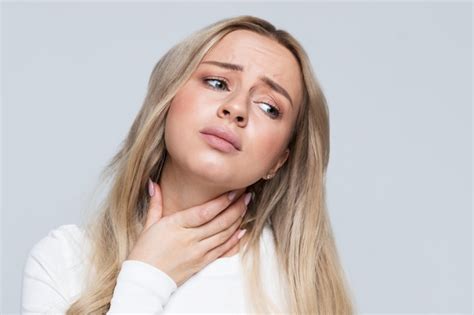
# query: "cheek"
[178,116]
[265,148]
[181,108]
[185,113]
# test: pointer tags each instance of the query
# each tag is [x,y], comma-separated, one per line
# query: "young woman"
[232,138]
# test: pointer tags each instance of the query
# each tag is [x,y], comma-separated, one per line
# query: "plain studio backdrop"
[398,81]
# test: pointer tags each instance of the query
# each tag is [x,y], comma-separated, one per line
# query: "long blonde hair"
[293,202]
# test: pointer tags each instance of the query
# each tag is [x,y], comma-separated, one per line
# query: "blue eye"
[222,82]
[275,112]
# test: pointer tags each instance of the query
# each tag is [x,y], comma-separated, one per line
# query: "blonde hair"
[293,202]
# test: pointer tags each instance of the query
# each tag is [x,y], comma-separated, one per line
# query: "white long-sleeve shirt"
[54,276]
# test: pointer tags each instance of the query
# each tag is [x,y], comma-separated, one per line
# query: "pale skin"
[191,220]
[194,172]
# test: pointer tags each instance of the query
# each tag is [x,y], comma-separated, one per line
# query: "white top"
[54,277]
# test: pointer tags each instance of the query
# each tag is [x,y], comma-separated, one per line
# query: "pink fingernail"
[151,188]
[247,198]
[241,233]
[232,194]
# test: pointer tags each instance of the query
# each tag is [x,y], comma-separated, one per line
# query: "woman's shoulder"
[65,231]
[54,270]
[62,246]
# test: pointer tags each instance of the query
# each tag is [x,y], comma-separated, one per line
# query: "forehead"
[259,55]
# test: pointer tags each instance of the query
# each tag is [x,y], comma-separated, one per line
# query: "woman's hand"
[185,242]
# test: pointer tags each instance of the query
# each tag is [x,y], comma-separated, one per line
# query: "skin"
[195,172]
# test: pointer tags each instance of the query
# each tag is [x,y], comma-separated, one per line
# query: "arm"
[141,288]
[42,291]
[49,270]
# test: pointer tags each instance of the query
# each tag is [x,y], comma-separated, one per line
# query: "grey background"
[398,79]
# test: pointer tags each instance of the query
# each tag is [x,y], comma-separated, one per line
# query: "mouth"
[222,138]
[219,143]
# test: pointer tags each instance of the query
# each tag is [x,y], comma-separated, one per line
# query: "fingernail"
[151,188]
[241,233]
[231,195]
[247,198]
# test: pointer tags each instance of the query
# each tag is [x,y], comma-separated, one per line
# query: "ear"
[280,162]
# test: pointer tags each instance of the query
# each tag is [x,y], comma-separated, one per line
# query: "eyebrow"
[272,84]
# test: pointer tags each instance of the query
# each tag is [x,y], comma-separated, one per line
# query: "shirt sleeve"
[141,288]
[50,265]
[42,288]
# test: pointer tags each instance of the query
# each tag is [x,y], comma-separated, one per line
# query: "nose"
[234,110]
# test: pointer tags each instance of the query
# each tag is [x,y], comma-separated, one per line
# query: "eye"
[220,81]
[274,113]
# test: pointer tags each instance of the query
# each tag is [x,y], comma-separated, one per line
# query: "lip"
[224,134]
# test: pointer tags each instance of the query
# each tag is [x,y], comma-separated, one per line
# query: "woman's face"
[260,114]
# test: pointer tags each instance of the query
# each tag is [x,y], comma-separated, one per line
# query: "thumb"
[155,209]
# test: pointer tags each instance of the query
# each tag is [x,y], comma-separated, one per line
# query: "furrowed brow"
[269,82]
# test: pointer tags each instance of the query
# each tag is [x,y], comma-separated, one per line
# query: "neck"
[182,189]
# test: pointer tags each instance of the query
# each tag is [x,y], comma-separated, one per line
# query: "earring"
[268,176]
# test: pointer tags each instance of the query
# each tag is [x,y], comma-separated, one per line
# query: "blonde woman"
[217,195]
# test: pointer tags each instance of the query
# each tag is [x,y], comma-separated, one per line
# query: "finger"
[155,209]
[218,239]
[220,250]
[237,244]
[198,215]
[224,219]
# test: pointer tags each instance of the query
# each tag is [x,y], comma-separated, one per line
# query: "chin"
[212,168]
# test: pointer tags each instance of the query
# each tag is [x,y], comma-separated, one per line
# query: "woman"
[234,107]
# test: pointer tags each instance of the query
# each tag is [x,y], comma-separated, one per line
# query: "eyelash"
[275,108]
